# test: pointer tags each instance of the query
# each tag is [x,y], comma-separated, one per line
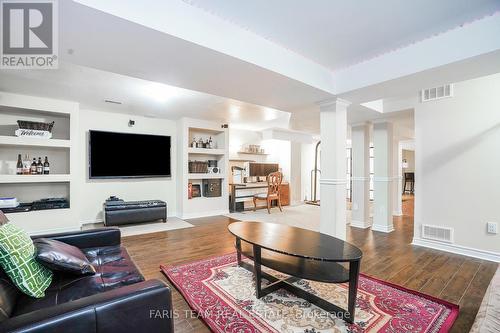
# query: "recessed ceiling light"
[161,92]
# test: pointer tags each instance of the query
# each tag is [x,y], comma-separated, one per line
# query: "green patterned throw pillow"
[17,258]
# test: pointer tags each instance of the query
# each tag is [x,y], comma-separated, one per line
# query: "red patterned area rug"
[223,294]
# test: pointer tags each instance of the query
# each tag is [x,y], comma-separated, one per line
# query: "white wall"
[458,163]
[278,151]
[93,192]
[307,164]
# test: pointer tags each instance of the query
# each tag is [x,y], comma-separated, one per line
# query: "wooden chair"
[409,179]
[273,191]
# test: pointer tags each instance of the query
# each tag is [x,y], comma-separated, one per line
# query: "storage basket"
[33,125]
[198,167]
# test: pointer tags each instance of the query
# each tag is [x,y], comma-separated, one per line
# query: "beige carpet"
[172,223]
[302,216]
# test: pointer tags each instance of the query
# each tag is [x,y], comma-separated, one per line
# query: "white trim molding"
[360,124]
[384,179]
[203,214]
[54,231]
[383,228]
[333,181]
[457,249]
[332,103]
[361,224]
[360,179]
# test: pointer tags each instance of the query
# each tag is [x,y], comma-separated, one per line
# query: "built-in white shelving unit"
[17,179]
[206,176]
[205,151]
[33,142]
[188,129]
[60,149]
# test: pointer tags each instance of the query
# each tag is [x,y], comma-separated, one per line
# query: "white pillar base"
[333,217]
[383,228]
[361,224]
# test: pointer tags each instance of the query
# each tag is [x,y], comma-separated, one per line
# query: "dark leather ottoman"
[120,212]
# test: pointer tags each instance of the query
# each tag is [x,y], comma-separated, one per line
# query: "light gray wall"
[458,162]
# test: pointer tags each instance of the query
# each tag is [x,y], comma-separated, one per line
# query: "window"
[349,173]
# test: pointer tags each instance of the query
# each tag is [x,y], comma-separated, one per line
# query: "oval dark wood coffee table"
[301,254]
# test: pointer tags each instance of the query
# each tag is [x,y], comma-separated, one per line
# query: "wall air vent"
[437,233]
[433,94]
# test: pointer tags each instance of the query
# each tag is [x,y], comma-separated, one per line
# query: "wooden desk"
[234,188]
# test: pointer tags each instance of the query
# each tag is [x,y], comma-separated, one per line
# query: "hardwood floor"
[390,257]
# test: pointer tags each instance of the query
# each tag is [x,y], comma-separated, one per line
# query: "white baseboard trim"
[204,214]
[397,213]
[458,249]
[82,223]
[361,224]
[55,231]
[383,228]
[91,221]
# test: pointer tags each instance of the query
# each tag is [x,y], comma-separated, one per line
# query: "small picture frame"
[196,190]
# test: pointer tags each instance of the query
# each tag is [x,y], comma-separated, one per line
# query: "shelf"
[206,176]
[33,142]
[203,198]
[13,179]
[205,130]
[249,153]
[206,151]
[240,160]
[34,212]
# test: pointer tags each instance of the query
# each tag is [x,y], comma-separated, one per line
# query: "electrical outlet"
[492,227]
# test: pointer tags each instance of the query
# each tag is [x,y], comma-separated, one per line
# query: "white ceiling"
[91,87]
[95,46]
[336,33]
[93,38]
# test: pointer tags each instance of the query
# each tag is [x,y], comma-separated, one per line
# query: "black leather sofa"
[116,299]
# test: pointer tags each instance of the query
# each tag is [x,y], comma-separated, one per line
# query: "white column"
[333,118]
[383,177]
[397,170]
[360,138]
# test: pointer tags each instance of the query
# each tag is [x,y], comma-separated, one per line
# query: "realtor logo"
[29,34]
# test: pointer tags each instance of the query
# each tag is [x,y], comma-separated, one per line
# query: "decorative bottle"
[39,167]
[46,166]
[33,167]
[19,166]
[26,165]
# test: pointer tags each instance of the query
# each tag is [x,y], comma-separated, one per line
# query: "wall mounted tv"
[124,155]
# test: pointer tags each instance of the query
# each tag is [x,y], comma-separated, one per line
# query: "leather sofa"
[115,299]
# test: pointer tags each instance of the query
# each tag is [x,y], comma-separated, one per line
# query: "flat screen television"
[124,155]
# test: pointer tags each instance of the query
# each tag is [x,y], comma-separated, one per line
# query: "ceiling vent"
[437,233]
[433,94]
